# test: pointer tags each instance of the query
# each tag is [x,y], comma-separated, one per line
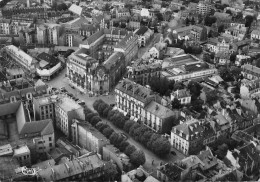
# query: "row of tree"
[155,142]
[137,157]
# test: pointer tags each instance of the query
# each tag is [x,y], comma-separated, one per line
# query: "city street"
[61,81]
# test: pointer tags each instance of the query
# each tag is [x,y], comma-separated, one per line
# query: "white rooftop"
[21,150]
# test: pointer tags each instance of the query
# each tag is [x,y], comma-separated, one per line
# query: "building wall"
[44,143]
[108,155]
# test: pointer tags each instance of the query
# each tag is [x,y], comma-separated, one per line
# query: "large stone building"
[88,137]
[67,109]
[28,63]
[140,103]
[101,60]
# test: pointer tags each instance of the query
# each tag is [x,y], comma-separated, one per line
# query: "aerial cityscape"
[129,90]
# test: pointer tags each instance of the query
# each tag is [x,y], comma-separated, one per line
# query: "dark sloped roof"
[141,30]
[45,127]
[9,108]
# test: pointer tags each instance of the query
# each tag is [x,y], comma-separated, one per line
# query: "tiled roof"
[125,41]
[159,110]
[208,159]
[182,93]
[137,91]
[190,127]
[113,59]
[141,30]
[9,108]
[45,127]
[250,68]
[73,167]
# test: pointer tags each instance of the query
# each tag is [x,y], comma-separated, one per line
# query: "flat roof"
[21,150]
[68,104]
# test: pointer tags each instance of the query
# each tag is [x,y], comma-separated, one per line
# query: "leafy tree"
[159,16]
[107,7]
[221,28]
[129,6]
[161,85]
[229,12]
[130,149]
[101,108]
[113,138]
[90,116]
[224,72]
[97,103]
[94,120]
[137,158]
[161,146]
[233,58]
[108,132]
[138,133]
[178,86]
[133,128]
[239,15]
[235,72]
[211,97]
[62,7]
[222,151]
[68,53]
[101,125]
[249,20]
[111,114]
[196,105]
[123,145]
[118,141]
[152,139]
[128,125]
[176,104]
[146,137]
[195,89]
[110,171]
[209,20]
[106,111]
[192,20]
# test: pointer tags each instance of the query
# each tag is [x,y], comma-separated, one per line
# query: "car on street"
[76,99]
[82,103]
[173,153]
[70,94]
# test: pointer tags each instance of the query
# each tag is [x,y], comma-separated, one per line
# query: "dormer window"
[29,96]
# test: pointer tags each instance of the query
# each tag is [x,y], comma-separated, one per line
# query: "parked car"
[76,99]
[70,94]
[82,103]
[173,153]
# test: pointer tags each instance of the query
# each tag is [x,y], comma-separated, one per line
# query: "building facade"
[44,107]
[204,7]
[139,102]
[98,65]
[65,110]
[28,63]
[88,137]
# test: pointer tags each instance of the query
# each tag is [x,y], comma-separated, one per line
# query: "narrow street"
[155,39]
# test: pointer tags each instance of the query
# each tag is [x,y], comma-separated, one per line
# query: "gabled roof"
[159,110]
[75,9]
[112,60]
[45,127]
[9,108]
[141,30]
